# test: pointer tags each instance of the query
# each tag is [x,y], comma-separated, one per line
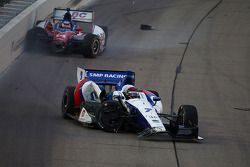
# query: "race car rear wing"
[76,15]
[106,77]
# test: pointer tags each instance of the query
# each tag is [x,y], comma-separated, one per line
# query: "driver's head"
[132,89]
[128,88]
[66,24]
[68,9]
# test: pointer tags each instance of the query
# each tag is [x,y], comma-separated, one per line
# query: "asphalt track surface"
[197,54]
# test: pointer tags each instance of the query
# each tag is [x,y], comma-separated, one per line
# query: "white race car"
[109,100]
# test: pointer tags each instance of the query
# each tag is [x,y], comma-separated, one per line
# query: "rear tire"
[187,116]
[91,46]
[109,116]
[105,29]
[68,101]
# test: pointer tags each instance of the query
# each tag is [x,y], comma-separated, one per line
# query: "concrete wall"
[12,35]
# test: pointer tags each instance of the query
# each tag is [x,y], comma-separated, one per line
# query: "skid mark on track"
[242,109]
[176,155]
[179,67]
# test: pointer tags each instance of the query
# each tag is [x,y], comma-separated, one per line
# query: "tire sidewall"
[91,46]
[68,101]
[188,116]
[102,114]
[95,47]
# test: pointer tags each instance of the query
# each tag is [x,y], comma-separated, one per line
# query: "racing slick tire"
[41,34]
[34,37]
[187,116]
[154,92]
[105,29]
[109,116]
[30,40]
[91,46]
[68,101]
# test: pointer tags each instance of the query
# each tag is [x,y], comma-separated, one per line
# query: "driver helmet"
[66,24]
[128,88]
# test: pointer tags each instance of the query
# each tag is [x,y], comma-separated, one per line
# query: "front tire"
[68,101]
[109,116]
[30,40]
[188,116]
[91,46]
[36,37]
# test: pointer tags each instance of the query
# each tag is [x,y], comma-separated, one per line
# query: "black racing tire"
[154,92]
[68,101]
[91,46]
[109,116]
[187,116]
[30,40]
[105,29]
[41,34]
[35,37]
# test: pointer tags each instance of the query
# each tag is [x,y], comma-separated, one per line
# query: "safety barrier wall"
[12,35]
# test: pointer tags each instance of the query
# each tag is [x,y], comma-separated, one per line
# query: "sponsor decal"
[84,116]
[106,75]
[76,14]
[148,109]
[155,121]
[153,116]
[82,112]
[103,76]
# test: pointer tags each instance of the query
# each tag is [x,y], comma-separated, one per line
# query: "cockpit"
[131,95]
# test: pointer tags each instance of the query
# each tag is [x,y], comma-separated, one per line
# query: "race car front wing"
[181,135]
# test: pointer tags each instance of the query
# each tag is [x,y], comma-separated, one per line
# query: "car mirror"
[155,99]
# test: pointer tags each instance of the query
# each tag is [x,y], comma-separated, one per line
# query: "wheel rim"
[95,47]
[65,103]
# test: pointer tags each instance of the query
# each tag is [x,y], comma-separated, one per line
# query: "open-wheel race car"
[110,101]
[77,32]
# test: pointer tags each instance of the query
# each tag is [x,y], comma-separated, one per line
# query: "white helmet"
[127,88]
